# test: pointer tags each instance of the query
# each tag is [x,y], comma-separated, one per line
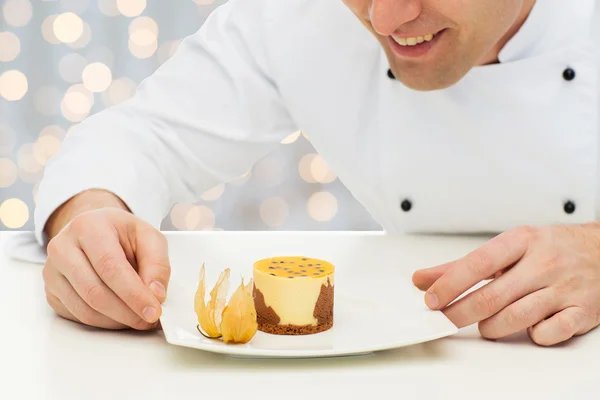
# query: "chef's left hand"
[545,280]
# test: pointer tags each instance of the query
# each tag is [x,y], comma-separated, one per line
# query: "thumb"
[424,278]
[152,256]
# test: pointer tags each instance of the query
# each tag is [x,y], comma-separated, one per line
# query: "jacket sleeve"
[204,117]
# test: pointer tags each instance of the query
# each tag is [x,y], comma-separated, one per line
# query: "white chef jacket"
[510,144]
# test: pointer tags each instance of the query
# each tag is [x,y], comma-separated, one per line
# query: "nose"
[388,15]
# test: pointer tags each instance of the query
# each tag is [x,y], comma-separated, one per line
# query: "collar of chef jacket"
[511,144]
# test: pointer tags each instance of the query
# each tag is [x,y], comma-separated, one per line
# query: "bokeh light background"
[63,60]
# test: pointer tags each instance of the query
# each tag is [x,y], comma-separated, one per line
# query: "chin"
[424,82]
[428,75]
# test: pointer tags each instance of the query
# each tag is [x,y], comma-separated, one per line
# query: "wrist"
[78,204]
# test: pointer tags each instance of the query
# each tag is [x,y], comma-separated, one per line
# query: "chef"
[477,116]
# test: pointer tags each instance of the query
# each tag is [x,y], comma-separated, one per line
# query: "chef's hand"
[545,280]
[107,268]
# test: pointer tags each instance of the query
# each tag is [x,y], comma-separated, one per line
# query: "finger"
[521,314]
[497,254]
[560,327]
[82,276]
[423,279]
[62,289]
[493,297]
[59,307]
[152,256]
[103,249]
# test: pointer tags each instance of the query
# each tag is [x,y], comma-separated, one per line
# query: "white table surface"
[45,357]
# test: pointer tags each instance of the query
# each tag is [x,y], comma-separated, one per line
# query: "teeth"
[413,41]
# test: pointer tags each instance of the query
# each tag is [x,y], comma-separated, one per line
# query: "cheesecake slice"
[293,295]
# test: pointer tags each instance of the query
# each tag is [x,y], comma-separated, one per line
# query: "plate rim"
[282,353]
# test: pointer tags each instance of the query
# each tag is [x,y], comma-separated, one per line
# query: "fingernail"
[158,289]
[432,301]
[150,314]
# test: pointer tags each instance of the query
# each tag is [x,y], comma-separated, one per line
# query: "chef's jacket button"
[390,74]
[569,74]
[406,205]
[569,207]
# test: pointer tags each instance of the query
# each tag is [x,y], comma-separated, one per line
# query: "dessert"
[293,295]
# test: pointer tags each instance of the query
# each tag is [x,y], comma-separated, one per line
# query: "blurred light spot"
[45,148]
[204,2]
[178,213]
[55,131]
[8,139]
[143,23]
[71,66]
[320,170]
[270,171]
[84,39]
[8,173]
[76,6]
[167,50]
[17,12]
[292,138]
[322,206]
[131,8]
[214,193]
[242,179]
[10,46]
[27,161]
[97,77]
[108,7]
[48,30]
[145,50]
[13,85]
[72,103]
[199,218]
[68,27]
[77,103]
[119,91]
[30,171]
[305,168]
[14,213]
[274,212]
[143,38]
[46,100]
[101,54]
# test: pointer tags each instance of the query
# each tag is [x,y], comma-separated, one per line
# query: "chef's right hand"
[109,269]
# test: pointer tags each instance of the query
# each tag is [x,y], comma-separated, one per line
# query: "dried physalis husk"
[239,323]
[210,314]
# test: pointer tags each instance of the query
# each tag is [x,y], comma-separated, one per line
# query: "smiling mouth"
[415,40]
[415,46]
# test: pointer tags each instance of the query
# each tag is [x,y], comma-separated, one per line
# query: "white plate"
[376,307]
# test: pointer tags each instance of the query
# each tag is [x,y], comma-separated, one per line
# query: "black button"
[569,207]
[390,74]
[406,205]
[569,74]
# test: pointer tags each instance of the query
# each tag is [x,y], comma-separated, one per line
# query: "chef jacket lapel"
[511,144]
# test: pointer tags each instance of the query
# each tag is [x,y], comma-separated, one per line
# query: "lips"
[415,46]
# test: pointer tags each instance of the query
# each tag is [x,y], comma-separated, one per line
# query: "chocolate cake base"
[294,329]
[268,320]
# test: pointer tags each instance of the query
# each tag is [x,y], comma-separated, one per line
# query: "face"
[432,44]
